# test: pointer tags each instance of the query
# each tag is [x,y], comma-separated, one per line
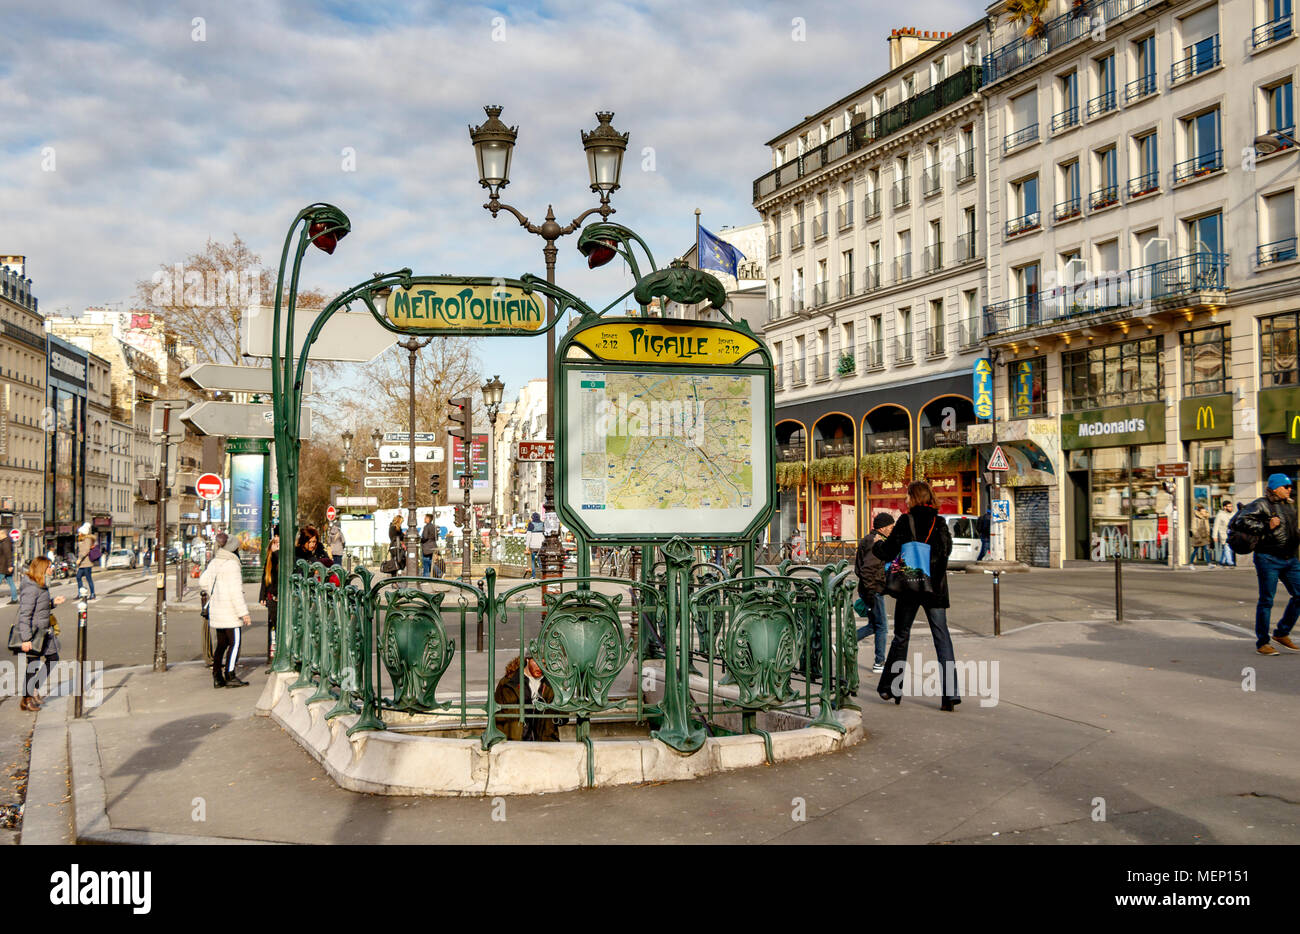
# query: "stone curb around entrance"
[382,762]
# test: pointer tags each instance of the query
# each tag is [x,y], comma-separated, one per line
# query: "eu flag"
[714,253]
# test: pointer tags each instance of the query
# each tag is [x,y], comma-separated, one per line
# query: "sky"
[135,131]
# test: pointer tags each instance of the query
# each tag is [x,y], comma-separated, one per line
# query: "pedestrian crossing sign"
[998,460]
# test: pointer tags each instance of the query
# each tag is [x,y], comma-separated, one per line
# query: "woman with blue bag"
[916,553]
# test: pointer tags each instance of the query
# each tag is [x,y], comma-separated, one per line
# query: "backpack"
[1244,532]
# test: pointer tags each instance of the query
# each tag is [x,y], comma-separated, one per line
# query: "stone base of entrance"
[412,762]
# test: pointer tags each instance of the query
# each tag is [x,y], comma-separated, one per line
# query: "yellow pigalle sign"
[655,342]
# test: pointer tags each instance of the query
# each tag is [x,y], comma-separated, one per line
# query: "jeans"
[426,565]
[891,679]
[1226,557]
[535,556]
[1270,570]
[13,587]
[90,580]
[877,623]
[984,547]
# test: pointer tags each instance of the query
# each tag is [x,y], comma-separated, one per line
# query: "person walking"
[1273,518]
[428,545]
[338,545]
[269,593]
[88,551]
[1201,533]
[1222,553]
[34,606]
[227,613]
[534,538]
[984,529]
[8,566]
[397,545]
[871,587]
[922,523]
[439,565]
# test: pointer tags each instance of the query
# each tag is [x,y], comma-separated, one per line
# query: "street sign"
[352,337]
[379,466]
[401,453]
[209,486]
[1001,510]
[1172,470]
[225,378]
[239,420]
[535,451]
[351,502]
[998,460]
[330,513]
[175,427]
[371,483]
[14,535]
[404,437]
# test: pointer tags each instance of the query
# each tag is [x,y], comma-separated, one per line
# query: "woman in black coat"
[397,544]
[921,523]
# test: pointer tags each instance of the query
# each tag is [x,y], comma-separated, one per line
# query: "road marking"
[131,601]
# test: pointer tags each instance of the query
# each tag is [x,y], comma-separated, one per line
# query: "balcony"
[1261,37]
[1067,210]
[1104,197]
[1279,251]
[1144,86]
[968,332]
[871,130]
[778,380]
[796,238]
[773,309]
[871,278]
[932,180]
[1065,119]
[1144,184]
[846,286]
[902,193]
[844,215]
[797,373]
[1101,104]
[796,303]
[1024,224]
[774,245]
[822,367]
[1197,63]
[871,206]
[821,292]
[23,336]
[1206,163]
[903,349]
[903,267]
[932,258]
[936,340]
[1020,138]
[1197,278]
[835,447]
[872,357]
[965,248]
[820,225]
[965,166]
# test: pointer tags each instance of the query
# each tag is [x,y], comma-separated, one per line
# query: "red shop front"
[886,496]
[837,512]
[954,494]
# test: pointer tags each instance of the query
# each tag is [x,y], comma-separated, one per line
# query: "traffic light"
[435,485]
[458,413]
[460,517]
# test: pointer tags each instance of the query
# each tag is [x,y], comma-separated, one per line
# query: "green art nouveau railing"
[783,641]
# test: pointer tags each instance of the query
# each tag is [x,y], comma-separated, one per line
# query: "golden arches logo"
[1205,418]
[1295,422]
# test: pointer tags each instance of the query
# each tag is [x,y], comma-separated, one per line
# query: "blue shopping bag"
[908,575]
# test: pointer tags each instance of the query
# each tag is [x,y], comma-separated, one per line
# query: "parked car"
[965,540]
[121,558]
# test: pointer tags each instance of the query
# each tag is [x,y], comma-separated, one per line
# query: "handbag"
[205,612]
[389,566]
[37,640]
[908,575]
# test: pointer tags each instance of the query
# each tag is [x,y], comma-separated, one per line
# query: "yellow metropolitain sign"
[461,306]
[653,342]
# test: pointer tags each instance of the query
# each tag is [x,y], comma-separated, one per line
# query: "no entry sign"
[209,486]
[14,535]
[330,513]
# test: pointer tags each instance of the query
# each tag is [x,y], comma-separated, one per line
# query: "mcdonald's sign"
[1293,427]
[1205,417]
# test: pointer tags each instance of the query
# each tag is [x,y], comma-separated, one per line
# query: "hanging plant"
[832,469]
[847,364]
[889,467]
[789,475]
[938,462]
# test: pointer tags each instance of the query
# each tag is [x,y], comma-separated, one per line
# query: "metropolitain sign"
[465,306]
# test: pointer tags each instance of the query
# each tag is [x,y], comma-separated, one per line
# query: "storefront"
[1119,506]
[1279,429]
[65,457]
[1205,426]
[944,458]
[834,471]
[791,513]
[837,512]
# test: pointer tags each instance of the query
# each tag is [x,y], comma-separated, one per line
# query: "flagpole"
[697,238]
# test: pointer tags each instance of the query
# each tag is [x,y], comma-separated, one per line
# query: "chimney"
[907,42]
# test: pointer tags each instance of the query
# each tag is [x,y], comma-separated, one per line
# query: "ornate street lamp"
[376,436]
[1273,141]
[493,147]
[492,392]
[343,464]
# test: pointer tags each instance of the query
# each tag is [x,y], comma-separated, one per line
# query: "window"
[934,248]
[1278,112]
[970,323]
[1144,68]
[936,343]
[909,86]
[1204,234]
[1146,155]
[1277,350]
[1108,256]
[1024,206]
[1277,24]
[1068,113]
[878,103]
[903,349]
[1068,177]
[903,262]
[1201,140]
[1024,121]
[846,275]
[1106,171]
[966,241]
[1200,43]
[970,53]
[1026,285]
[876,332]
[938,71]
[1028,387]
[1104,71]
[1277,240]
[902,191]
[1116,374]
[966,154]
[1206,359]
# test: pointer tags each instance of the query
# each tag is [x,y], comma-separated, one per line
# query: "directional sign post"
[535,451]
[354,337]
[224,378]
[404,437]
[239,420]
[371,483]
[379,466]
[401,453]
[175,429]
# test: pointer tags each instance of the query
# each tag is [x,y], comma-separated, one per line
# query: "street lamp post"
[492,392]
[494,144]
[411,345]
[343,464]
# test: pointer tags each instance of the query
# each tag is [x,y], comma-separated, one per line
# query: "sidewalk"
[1150,718]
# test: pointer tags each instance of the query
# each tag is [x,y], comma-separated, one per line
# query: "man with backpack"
[1268,527]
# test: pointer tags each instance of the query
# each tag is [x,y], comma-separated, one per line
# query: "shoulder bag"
[908,575]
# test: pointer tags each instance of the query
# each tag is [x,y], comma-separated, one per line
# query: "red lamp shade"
[324,241]
[600,254]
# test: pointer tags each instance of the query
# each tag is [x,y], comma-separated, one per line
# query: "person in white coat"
[227,613]
[1222,553]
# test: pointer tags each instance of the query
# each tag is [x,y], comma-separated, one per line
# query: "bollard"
[81,651]
[1119,590]
[997,604]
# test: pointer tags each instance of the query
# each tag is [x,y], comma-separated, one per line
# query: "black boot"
[234,681]
[218,677]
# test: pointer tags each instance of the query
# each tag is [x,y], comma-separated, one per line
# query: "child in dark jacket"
[871,587]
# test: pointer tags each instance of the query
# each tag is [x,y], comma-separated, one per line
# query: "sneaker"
[877,669]
[1267,650]
[1286,643]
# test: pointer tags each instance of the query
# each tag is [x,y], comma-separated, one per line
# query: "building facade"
[875,275]
[67,398]
[1143,306]
[22,409]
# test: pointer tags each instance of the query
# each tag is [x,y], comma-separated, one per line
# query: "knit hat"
[1278,480]
[882,520]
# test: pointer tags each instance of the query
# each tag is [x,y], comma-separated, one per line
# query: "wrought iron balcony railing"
[932,180]
[1023,224]
[846,286]
[1197,63]
[873,356]
[844,215]
[968,332]
[1067,210]
[1103,103]
[1020,138]
[936,340]
[903,349]
[932,258]
[1271,32]
[903,267]
[822,366]
[902,193]
[796,237]
[871,278]
[774,245]
[965,248]
[965,166]
[1065,119]
[1139,88]
[1200,165]
[1144,184]
[1104,197]
[821,291]
[820,225]
[871,206]
[1279,251]
[774,309]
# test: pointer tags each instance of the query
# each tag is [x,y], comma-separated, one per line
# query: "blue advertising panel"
[246,507]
